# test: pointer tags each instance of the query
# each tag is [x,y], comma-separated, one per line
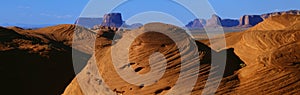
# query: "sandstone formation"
[270,52]
[252,20]
[37,61]
[112,20]
[259,61]
[282,22]
[262,60]
[101,68]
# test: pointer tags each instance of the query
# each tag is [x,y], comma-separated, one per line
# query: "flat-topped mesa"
[112,20]
[229,22]
[250,20]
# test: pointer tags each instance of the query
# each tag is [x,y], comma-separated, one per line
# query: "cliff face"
[250,20]
[229,22]
[112,20]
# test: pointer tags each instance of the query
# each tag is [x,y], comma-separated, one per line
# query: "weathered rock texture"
[270,51]
[87,82]
[269,60]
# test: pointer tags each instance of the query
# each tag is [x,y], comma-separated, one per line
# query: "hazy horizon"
[34,12]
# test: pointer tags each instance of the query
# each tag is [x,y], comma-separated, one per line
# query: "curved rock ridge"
[291,12]
[270,52]
[262,60]
[282,22]
[270,61]
[8,34]
[63,34]
[146,41]
[37,61]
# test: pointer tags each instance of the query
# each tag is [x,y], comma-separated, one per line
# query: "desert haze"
[264,59]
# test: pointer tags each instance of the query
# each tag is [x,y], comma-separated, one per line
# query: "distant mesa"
[229,22]
[88,22]
[115,20]
[250,20]
[108,20]
[133,26]
[112,20]
[197,23]
[244,21]
[293,12]
[213,21]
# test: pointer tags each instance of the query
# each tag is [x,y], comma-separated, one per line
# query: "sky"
[67,11]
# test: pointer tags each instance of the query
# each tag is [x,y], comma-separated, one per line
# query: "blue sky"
[66,11]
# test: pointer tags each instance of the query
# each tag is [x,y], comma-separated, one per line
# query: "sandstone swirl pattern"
[262,60]
[269,50]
